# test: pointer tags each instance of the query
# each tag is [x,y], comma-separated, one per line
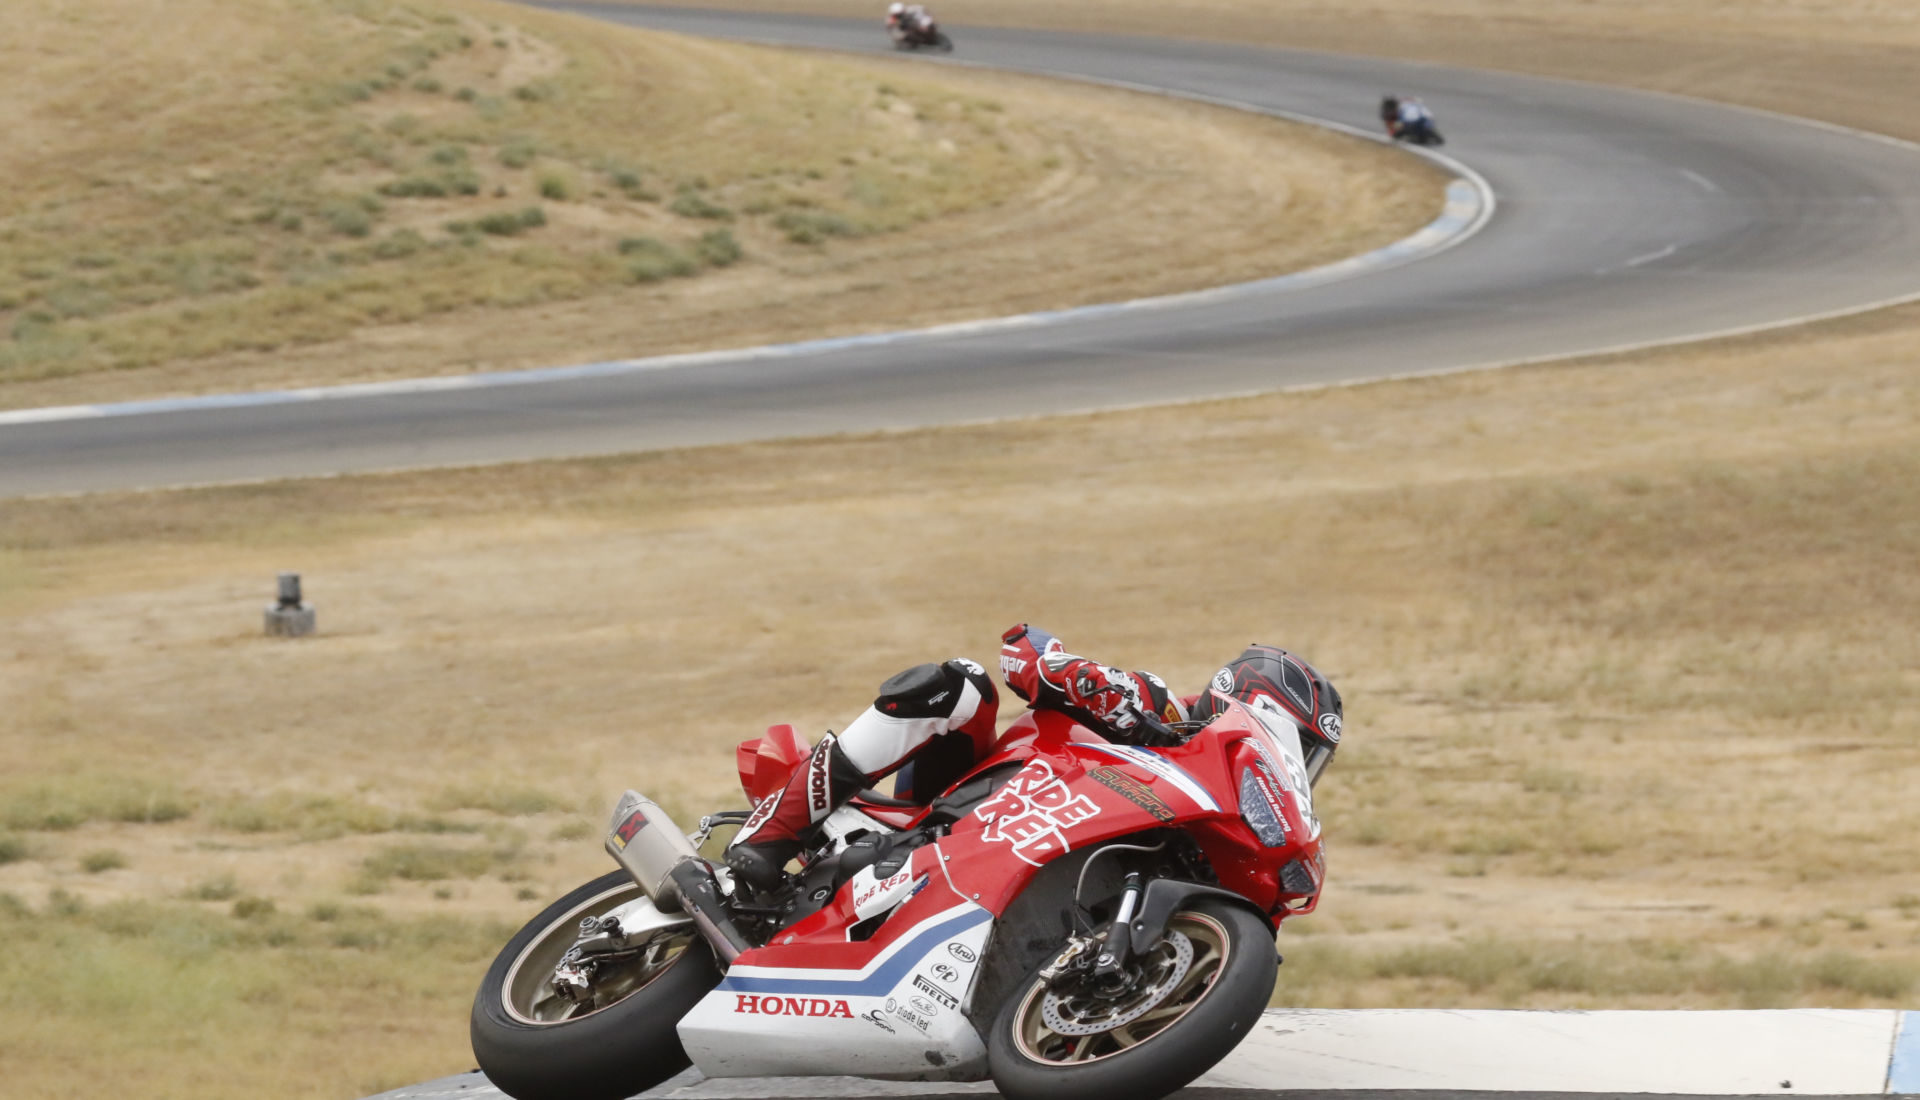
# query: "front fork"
[1138,925]
[1106,952]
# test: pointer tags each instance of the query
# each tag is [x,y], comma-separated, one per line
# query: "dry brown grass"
[350,190]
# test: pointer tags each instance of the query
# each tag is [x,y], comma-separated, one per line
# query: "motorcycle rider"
[1390,115]
[1414,116]
[938,720]
[905,19]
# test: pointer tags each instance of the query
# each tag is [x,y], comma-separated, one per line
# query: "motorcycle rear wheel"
[535,1046]
[1210,1002]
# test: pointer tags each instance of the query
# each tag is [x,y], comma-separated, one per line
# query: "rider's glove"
[1022,649]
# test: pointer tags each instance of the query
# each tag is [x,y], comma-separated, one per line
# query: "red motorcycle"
[1074,918]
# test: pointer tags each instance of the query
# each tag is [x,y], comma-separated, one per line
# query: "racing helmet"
[896,8]
[1271,680]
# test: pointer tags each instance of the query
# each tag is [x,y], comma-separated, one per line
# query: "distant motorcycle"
[1407,119]
[909,33]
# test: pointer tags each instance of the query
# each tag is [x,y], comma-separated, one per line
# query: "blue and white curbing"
[1903,1069]
[1807,1052]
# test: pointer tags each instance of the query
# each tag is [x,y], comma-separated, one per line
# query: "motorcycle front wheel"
[535,1045]
[1193,998]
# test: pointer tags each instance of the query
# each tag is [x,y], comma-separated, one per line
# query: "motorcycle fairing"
[880,1007]
[898,1017]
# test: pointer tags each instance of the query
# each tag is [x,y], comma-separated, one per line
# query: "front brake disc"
[1084,1014]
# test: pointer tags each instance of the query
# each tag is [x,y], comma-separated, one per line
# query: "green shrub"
[399,245]
[66,802]
[466,95]
[415,187]
[419,863]
[215,889]
[518,152]
[691,204]
[349,219]
[650,260]
[510,223]
[105,859]
[556,187]
[253,908]
[13,848]
[717,248]
[428,85]
[812,226]
[499,799]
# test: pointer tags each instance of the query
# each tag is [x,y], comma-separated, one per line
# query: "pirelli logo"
[1133,791]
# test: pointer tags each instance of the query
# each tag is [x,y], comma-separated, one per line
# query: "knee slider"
[923,691]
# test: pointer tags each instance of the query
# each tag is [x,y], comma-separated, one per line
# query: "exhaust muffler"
[643,838]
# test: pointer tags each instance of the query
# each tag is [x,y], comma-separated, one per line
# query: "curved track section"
[1624,219]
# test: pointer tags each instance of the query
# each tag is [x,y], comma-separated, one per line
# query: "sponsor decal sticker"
[891,882]
[1330,727]
[923,1005]
[629,829]
[817,767]
[1133,791]
[946,973]
[1270,790]
[1223,680]
[922,984]
[962,952]
[902,1012]
[872,1016]
[1032,813]
[749,1004]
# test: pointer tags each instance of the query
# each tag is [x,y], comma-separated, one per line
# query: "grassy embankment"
[207,195]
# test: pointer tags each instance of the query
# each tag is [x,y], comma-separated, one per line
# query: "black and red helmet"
[1269,679]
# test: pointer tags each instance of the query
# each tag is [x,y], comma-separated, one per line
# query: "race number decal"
[1033,812]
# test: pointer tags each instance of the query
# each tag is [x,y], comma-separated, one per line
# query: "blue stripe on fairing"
[874,984]
[1903,1074]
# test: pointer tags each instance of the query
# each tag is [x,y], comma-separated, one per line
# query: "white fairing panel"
[899,1017]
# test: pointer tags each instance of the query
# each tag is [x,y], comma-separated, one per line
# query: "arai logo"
[1330,726]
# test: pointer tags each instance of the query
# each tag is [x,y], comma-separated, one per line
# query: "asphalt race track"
[1622,218]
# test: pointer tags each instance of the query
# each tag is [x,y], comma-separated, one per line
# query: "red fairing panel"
[767,762]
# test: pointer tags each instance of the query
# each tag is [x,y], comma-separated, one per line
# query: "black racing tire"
[1219,1017]
[941,42]
[621,1049]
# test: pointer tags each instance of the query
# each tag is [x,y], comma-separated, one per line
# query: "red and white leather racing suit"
[941,719]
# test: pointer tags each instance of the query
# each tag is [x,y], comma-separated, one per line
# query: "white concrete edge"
[1784,1052]
[1470,204]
